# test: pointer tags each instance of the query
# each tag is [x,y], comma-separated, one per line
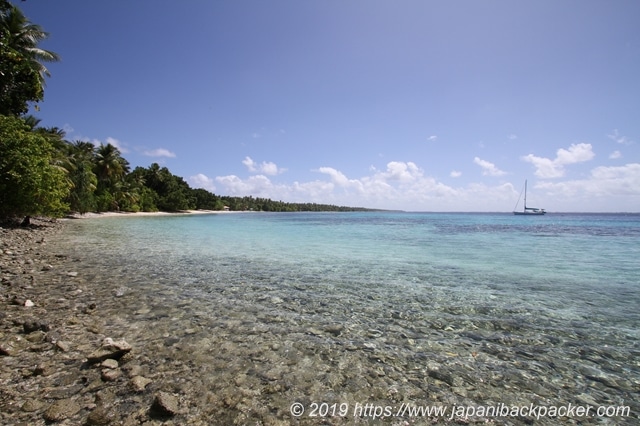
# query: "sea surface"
[383,308]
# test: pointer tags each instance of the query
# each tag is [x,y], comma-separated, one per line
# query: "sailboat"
[528,211]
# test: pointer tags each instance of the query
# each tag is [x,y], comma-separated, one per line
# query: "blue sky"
[415,105]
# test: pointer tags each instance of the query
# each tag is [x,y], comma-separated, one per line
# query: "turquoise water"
[549,304]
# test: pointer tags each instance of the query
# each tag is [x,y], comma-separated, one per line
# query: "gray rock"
[31,405]
[164,405]
[139,383]
[110,363]
[6,350]
[61,410]
[100,416]
[36,336]
[109,375]
[32,325]
[109,349]
[334,329]
[63,346]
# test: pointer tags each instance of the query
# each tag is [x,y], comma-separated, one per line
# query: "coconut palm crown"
[19,36]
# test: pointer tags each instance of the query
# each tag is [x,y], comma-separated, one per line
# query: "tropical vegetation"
[42,173]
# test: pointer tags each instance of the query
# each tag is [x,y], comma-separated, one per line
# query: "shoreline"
[108,338]
[63,341]
[93,215]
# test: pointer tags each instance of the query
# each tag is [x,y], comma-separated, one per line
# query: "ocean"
[322,317]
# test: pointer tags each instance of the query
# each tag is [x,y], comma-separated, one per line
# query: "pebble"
[165,405]
[110,363]
[139,383]
[61,410]
[225,359]
[109,349]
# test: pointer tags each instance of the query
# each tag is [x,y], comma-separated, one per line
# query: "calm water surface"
[449,308]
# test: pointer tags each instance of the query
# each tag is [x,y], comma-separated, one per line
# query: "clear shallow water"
[450,308]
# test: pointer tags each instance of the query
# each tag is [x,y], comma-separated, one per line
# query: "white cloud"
[68,130]
[432,138]
[159,152]
[615,155]
[547,168]
[512,137]
[455,174]
[266,167]
[258,185]
[402,172]
[488,169]
[401,185]
[605,188]
[615,136]
[115,142]
[405,186]
[202,181]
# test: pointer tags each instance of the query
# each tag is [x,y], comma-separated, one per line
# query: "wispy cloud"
[159,152]
[547,168]
[512,137]
[488,168]
[455,174]
[432,138]
[266,167]
[113,141]
[616,137]
[615,155]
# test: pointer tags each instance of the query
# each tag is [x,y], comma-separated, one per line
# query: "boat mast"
[525,194]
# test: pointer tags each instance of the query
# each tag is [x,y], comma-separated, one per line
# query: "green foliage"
[173,193]
[29,183]
[83,180]
[205,200]
[22,71]
[19,83]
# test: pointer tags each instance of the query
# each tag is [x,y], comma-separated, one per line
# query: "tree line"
[41,173]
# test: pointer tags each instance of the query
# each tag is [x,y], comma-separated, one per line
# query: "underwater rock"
[109,349]
[139,383]
[164,405]
[61,410]
[100,416]
[32,325]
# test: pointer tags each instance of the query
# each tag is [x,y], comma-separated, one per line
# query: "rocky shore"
[61,363]
[115,340]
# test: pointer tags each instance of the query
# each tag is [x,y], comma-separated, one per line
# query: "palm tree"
[22,72]
[110,166]
[21,36]
[83,180]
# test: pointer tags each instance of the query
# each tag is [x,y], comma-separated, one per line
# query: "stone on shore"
[139,383]
[61,410]
[32,325]
[109,349]
[164,405]
[110,363]
[100,416]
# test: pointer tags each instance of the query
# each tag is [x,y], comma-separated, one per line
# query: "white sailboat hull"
[528,211]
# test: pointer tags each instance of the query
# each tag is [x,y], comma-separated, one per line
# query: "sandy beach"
[91,215]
